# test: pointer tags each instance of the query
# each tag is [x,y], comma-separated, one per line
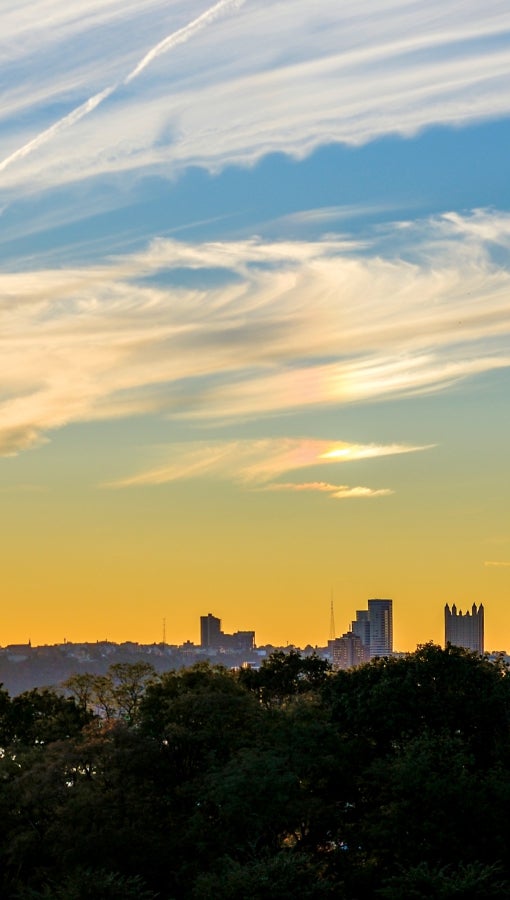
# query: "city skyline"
[254,316]
[373,627]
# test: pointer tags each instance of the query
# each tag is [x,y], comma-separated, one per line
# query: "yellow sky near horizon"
[88,563]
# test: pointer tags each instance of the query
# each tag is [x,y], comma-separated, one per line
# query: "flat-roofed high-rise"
[380,614]
[361,627]
[210,631]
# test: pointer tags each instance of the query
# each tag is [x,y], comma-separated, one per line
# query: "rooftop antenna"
[332,629]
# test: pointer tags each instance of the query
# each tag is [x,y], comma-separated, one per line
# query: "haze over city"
[254,319]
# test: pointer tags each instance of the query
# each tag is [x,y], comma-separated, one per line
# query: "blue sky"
[243,245]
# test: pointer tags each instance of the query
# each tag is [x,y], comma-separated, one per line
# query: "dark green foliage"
[391,780]
[465,882]
[117,694]
[38,717]
[452,690]
[283,876]
[91,884]
[283,675]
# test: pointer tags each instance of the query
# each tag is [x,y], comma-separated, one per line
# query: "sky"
[254,317]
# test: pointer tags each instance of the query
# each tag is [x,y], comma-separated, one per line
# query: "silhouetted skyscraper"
[213,638]
[464,629]
[380,615]
[372,630]
[361,627]
[210,631]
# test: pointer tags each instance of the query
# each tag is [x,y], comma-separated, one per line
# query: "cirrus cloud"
[296,325]
[314,74]
[258,462]
[336,491]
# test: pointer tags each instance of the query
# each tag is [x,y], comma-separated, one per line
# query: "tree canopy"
[293,779]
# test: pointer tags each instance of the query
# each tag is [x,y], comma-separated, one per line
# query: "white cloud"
[313,73]
[301,325]
[479,226]
[181,36]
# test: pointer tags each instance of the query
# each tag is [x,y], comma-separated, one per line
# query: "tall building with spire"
[464,629]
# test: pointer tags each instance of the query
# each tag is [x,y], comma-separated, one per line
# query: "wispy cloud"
[182,35]
[345,452]
[258,462]
[328,214]
[336,491]
[65,122]
[302,325]
[84,109]
[314,74]
[497,564]
[493,229]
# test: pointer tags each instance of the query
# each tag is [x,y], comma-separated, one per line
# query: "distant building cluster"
[213,638]
[370,635]
[464,629]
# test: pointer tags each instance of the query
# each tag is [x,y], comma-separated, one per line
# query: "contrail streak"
[182,35]
[65,122]
[172,40]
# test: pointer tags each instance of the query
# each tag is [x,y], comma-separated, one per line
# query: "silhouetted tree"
[284,674]
[391,780]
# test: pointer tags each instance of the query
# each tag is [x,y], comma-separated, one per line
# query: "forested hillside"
[387,781]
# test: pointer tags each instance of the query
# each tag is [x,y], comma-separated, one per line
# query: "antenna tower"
[332,629]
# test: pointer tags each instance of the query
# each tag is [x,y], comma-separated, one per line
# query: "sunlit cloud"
[258,462]
[497,564]
[314,74]
[346,452]
[302,325]
[336,491]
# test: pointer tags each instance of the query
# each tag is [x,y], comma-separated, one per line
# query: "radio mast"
[332,629]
